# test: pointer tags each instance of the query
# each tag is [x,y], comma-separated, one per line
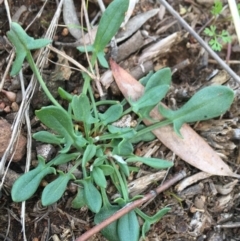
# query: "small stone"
[5,134]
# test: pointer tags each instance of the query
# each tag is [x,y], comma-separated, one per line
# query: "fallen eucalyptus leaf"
[191,148]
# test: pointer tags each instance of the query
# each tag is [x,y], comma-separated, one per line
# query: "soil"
[206,210]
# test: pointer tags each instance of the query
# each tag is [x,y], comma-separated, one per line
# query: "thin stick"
[200,40]
[129,207]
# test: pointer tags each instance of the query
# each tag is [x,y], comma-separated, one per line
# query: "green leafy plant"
[217,38]
[92,141]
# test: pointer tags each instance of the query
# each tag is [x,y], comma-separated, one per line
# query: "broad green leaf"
[110,232]
[206,104]
[107,169]
[152,162]
[125,132]
[99,177]
[23,44]
[150,98]
[110,23]
[128,227]
[81,109]
[27,184]
[145,79]
[161,77]
[54,191]
[91,195]
[99,161]
[47,137]
[64,94]
[124,148]
[145,137]
[64,158]
[89,154]
[58,120]
[79,201]
[112,114]
[80,141]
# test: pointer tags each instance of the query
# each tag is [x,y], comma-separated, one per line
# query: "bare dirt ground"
[208,209]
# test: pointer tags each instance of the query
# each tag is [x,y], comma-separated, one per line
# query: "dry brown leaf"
[191,148]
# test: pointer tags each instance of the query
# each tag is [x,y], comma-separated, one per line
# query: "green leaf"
[112,114]
[64,158]
[161,77]
[145,228]
[27,184]
[91,195]
[128,227]
[83,49]
[206,104]
[150,98]
[99,177]
[54,191]
[110,23]
[124,148]
[152,162]
[145,79]
[79,201]
[145,137]
[125,132]
[81,109]
[89,154]
[107,169]
[64,94]
[217,7]
[23,43]
[102,60]
[58,120]
[110,232]
[47,137]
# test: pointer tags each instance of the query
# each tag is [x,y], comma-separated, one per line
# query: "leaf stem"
[40,80]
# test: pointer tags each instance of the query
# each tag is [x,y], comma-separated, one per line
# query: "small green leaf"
[79,201]
[47,137]
[128,227]
[91,195]
[58,120]
[83,49]
[64,158]
[99,177]
[110,23]
[150,98]
[54,191]
[125,132]
[206,104]
[102,60]
[110,232]
[145,228]
[107,169]
[27,184]
[124,148]
[161,77]
[81,109]
[145,137]
[23,44]
[152,162]
[112,114]
[89,153]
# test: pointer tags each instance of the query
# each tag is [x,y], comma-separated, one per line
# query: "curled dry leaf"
[191,148]
[71,19]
